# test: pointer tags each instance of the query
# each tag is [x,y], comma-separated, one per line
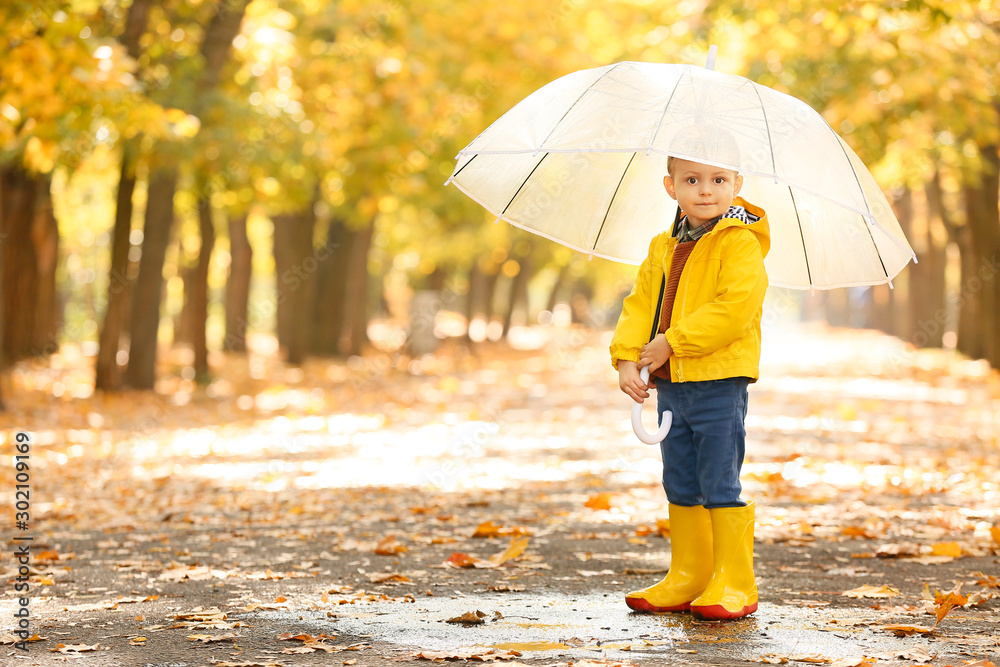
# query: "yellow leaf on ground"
[514,549]
[601,501]
[487,529]
[867,591]
[907,630]
[947,549]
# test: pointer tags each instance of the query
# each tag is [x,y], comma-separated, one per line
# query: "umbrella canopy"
[581,161]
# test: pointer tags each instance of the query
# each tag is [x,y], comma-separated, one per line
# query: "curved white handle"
[642,433]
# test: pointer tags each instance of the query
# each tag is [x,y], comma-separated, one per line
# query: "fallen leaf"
[74,648]
[601,501]
[899,550]
[228,663]
[907,630]
[995,532]
[390,547]
[867,591]
[988,580]
[468,618]
[514,549]
[11,639]
[947,549]
[302,637]
[945,602]
[918,653]
[505,588]
[460,559]
[200,614]
[490,529]
[470,654]
[137,641]
[381,577]
[852,662]
[212,639]
[856,531]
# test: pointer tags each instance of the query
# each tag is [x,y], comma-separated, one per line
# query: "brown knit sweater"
[681,253]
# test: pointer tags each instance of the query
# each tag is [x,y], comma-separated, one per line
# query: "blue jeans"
[703,453]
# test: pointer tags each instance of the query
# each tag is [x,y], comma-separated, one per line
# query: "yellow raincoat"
[715,322]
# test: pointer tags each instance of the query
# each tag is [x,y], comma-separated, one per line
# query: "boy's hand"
[655,353]
[630,382]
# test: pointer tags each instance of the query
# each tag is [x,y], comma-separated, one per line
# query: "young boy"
[693,317]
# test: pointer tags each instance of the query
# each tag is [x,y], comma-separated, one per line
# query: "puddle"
[599,626]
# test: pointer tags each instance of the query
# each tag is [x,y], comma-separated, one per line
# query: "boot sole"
[643,606]
[717,612]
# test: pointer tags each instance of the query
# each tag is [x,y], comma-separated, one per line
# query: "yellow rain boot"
[690,563]
[732,593]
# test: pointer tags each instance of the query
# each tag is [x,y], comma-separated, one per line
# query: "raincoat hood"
[761,229]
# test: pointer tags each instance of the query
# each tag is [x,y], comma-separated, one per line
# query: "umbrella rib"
[870,218]
[656,130]
[521,187]
[767,126]
[455,175]
[612,201]
[575,102]
[802,237]
[878,253]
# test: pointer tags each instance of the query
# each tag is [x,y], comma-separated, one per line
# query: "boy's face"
[703,192]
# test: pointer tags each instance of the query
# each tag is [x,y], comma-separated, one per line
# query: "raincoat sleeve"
[632,330]
[740,295]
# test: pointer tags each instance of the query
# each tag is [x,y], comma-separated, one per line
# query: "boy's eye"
[719,180]
[692,180]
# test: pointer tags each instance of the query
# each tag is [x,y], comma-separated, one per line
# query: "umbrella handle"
[640,431]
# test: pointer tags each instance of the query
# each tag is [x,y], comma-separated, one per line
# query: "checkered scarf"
[737,212]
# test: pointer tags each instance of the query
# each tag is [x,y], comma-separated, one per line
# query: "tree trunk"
[905,327]
[489,294]
[518,301]
[45,236]
[3,296]
[331,290]
[184,320]
[295,268]
[199,292]
[145,314]
[355,333]
[554,292]
[477,283]
[107,376]
[215,50]
[238,286]
[837,307]
[106,372]
[983,218]
[927,290]
[20,262]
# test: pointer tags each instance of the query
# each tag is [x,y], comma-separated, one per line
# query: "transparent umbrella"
[581,161]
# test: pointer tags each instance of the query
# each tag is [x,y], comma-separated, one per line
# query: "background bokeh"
[188,174]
